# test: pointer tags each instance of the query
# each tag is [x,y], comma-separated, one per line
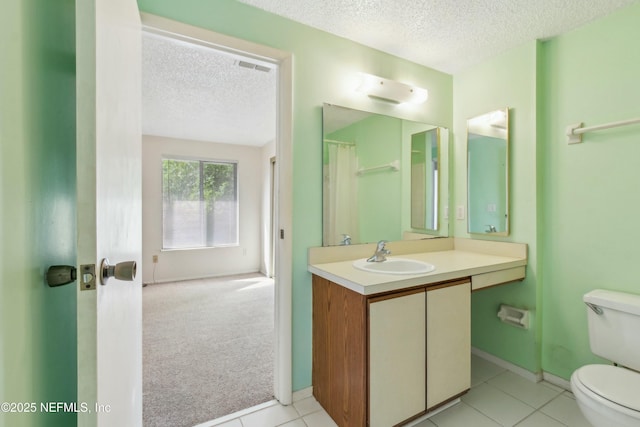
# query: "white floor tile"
[482,370]
[319,419]
[462,415]
[296,423]
[533,394]
[565,409]
[270,417]
[307,406]
[498,398]
[425,423]
[538,419]
[497,405]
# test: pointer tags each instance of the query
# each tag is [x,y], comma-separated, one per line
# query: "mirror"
[488,173]
[424,179]
[367,177]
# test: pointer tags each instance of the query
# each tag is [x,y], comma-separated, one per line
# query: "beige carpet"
[207,348]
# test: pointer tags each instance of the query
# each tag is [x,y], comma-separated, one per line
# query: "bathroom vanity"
[391,348]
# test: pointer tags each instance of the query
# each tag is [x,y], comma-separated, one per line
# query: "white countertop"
[450,265]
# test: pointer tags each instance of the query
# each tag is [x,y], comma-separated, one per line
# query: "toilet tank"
[614,333]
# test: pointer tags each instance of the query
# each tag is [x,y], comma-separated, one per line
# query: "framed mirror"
[367,177]
[488,173]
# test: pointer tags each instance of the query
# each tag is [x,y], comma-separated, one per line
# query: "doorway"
[281,193]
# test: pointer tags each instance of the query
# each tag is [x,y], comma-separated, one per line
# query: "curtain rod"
[575,131]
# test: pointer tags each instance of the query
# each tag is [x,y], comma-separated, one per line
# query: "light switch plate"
[460,212]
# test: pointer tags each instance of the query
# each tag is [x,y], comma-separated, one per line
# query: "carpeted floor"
[207,348]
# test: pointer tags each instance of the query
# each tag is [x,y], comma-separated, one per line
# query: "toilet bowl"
[608,395]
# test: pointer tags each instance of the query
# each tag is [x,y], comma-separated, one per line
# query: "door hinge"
[282,233]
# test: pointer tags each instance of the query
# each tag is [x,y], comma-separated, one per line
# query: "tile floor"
[498,397]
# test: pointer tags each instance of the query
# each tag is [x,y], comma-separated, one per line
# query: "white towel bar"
[395,165]
[575,131]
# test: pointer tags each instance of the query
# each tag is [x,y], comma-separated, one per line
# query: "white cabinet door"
[397,368]
[448,342]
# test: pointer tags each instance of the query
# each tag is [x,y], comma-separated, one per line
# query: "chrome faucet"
[381,252]
[491,229]
[346,240]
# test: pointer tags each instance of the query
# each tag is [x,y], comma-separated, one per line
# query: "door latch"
[58,275]
[87,277]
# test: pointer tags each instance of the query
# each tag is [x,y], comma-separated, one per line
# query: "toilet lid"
[618,385]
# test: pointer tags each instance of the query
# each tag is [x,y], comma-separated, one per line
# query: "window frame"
[201,160]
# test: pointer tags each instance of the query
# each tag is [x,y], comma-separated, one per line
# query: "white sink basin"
[395,266]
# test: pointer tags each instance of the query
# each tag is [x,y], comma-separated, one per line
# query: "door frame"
[283,176]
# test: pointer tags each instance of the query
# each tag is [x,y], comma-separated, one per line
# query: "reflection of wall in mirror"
[378,142]
[487,183]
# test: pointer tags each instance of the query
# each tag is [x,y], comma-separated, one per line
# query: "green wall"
[507,80]
[573,205]
[324,67]
[591,199]
[37,197]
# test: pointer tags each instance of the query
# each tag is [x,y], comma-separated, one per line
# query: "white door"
[109,210]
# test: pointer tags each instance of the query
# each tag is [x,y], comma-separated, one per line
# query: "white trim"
[302,394]
[203,277]
[531,376]
[297,396]
[556,380]
[284,175]
[432,413]
[238,414]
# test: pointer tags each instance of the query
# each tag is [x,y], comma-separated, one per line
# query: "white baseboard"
[531,376]
[209,276]
[302,394]
[556,380]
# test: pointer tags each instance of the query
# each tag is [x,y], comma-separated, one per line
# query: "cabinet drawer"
[485,280]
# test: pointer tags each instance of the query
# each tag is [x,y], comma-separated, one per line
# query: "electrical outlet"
[460,212]
[155,259]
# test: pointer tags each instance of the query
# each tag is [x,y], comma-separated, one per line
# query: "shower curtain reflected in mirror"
[341,200]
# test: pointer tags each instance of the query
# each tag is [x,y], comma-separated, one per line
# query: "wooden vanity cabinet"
[385,359]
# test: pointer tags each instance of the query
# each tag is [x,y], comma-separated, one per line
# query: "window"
[199,203]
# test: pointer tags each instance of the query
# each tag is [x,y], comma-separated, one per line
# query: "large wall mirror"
[488,173]
[383,177]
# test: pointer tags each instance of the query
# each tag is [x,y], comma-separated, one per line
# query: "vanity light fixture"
[390,90]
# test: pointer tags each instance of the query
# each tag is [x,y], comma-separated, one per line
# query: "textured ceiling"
[193,92]
[447,35]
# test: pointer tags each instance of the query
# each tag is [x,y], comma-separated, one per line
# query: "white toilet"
[609,395]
